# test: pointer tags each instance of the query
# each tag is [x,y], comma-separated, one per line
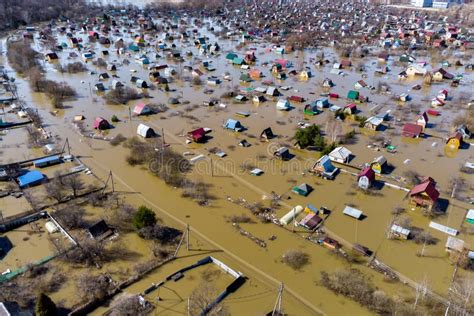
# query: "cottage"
[436,102]
[311,109]
[255,74]
[141,109]
[327,83]
[233,125]
[272,91]
[145,131]
[324,168]
[245,78]
[322,103]
[350,109]
[283,105]
[101,124]
[353,95]
[154,76]
[197,135]
[379,165]
[330,243]
[283,153]
[302,189]
[305,75]
[454,141]
[99,87]
[99,230]
[412,130]
[340,154]
[366,178]
[310,221]
[111,67]
[266,135]
[415,70]
[424,194]
[360,84]
[241,98]
[258,99]
[441,74]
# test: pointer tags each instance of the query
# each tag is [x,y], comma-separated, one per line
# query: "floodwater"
[229,182]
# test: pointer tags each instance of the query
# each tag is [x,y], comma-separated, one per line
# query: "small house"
[111,67]
[241,98]
[465,132]
[353,95]
[324,168]
[296,98]
[266,135]
[116,84]
[327,83]
[141,109]
[340,155]
[31,178]
[50,57]
[273,92]
[366,178]
[399,232]
[142,84]
[441,74]
[145,131]
[454,244]
[104,76]
[360,84]
[415,70]
[310,221]
[258,99]
[245,78]
[350,109]
[233,125]
[311,109]
[412,130]
[302,189]
[379,165]
[197,135]
[154,76]
[423,120]
[99,87]
[99,230]
[330,243]
[101,124]
[305,75]
[283,153]
[283,105]
[454,141]
[373,123]
[322,103]
[424,194]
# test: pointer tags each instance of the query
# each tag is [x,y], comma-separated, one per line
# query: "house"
[373,123]
[399,232]
[330,243]
[272,91]
[311,109]
[233,125]
[412,130]
[310,221]
[327,83]
[141,109]
[154,76]
[258,99]
[283,153]
[231,56]
[142,84]
[379,165]
[352,212]
[340,155]
[470,216]
[145,131]
[111,67]
[441,74]
[424,194]
[283,105]
[31,178]
[51,57]
[245,78]
[241,98]
[454,244]
[360,84]
[255,74]
[116,84]
[266,135]
[302,189]
[104,76]
[324,168]
[99,87]
[404,97]
[366,178]
[99,230]
[465,132]
[353,95]
[436,102]
[454,141]
[423,120]
[350,109]
[100,123]
[296,98]
[415,70]
[442,94]
[197,135]
[305,75]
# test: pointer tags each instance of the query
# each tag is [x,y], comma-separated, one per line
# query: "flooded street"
[231,183]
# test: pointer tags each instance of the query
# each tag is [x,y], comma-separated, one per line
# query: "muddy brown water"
[426,157]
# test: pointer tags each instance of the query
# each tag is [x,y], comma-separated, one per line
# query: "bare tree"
[201,297]
[55,190]
[74,183]
[128,304]
[71,216]
[90,287]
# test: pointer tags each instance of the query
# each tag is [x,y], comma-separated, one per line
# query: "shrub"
[296,259]
[121,95]
[117,139]
[115,119]
[144,217]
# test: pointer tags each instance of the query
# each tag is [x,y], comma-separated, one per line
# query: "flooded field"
[232,186]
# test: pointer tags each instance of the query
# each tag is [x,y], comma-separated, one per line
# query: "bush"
[144,217]
[121,95]
[117,140]
[310,136]
[115,119]
[75,67]
[296,259]
[160,233]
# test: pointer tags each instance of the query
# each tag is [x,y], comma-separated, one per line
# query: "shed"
[283,105]
[283,153]
[379,164]
[291,215]
[352,212]
[47,161]
[373,123]
[399,232]
[99,230]
[197,135]
[353,95]
[145,131]
[266,134]
[101,123]
[470,216]
[454,244]
[272,91]
[31,178]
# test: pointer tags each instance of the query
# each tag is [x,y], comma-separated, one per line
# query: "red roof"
[197,134]
[367,172]
[412,130]
[428,187]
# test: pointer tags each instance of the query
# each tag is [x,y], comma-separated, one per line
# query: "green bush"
[45,306]
[144,217]
[310,136]
[115,119]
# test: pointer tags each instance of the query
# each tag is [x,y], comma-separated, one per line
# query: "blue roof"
[55,158]
[30,178]
[231,123]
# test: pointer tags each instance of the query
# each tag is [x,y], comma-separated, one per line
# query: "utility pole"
[277,308]
[187,236]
